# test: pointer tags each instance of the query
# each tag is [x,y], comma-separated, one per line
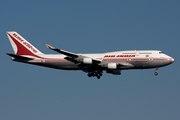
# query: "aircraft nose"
[172,60]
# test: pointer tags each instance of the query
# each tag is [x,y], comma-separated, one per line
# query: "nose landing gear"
[156,73]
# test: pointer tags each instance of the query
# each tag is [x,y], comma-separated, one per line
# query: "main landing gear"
[98,74]
[156,73]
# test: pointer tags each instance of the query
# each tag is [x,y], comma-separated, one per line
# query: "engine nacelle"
[114,72]
[87,60]
[112,66]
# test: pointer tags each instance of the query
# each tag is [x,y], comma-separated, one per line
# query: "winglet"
[50,47]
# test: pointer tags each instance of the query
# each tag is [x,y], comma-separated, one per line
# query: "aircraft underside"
[79,66]
[97,71]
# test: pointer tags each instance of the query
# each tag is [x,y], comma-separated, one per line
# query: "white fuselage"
[136,59]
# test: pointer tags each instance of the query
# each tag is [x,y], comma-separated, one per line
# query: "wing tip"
[50,47]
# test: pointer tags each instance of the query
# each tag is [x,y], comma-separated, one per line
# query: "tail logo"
[24,43]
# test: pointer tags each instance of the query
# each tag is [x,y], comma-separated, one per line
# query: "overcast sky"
[30,92]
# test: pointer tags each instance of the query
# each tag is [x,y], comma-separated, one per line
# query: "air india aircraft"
[93,64]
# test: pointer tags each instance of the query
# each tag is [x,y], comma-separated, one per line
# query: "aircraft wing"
[88,63]
[74,57]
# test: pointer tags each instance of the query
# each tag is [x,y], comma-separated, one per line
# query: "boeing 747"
[93,64]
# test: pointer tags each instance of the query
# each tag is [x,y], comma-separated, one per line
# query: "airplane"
[93,64]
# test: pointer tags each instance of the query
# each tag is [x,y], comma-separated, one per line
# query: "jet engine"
[87,60]
[111,65]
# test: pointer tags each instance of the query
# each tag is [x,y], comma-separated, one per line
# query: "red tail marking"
[21,50]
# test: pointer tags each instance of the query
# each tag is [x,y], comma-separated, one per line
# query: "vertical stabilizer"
[22,46]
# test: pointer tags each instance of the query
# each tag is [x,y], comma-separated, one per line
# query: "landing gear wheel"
[155,73]
[89,75]
[98,74]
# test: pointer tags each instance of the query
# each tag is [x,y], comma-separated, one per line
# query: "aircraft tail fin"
[22,46]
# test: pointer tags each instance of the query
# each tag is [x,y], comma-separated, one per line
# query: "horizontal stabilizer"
[18,57]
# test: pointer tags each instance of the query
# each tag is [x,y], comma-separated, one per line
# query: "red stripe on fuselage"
[137,59]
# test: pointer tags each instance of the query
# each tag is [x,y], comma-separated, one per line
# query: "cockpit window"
[160,52]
